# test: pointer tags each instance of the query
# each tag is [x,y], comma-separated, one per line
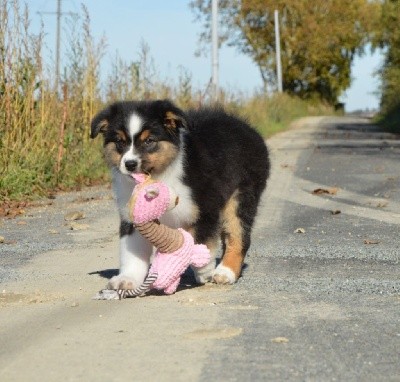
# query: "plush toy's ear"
[100,122]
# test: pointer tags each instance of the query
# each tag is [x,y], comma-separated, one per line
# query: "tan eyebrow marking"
[144,135]
[121,135]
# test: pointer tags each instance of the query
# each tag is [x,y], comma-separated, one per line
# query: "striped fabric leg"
[142,289]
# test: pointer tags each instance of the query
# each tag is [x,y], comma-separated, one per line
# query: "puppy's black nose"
[131,165]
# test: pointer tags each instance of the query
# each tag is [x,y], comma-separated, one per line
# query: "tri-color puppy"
[216,164]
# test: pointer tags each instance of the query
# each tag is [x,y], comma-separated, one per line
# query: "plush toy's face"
[150,200]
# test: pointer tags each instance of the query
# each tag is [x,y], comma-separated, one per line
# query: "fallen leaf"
[329,191]
[299,230]
[382,204]
[368,241]
[336,212]
[78,227]
[53,231]
[280,340]
[74,215]
[214,333]
[4,241]
[22,222]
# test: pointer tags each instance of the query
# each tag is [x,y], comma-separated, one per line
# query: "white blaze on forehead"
[134,125]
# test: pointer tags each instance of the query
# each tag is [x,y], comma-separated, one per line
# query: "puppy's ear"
[173,117]
[174,120]
[100,122]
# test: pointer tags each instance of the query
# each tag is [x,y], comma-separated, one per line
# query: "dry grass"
[44,133]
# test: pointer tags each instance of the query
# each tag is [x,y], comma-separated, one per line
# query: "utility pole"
[278,53]
[59,13]
[58,36]
[214,56]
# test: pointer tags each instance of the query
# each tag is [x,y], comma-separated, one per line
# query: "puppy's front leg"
[135,252]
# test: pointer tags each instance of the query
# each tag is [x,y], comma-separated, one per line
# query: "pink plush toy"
[175,247]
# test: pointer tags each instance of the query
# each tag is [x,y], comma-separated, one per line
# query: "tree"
[388,38]
[319,39]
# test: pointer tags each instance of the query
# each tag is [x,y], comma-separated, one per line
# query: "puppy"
[216,164]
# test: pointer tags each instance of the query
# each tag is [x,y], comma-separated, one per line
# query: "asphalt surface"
[333,296]
[319,299]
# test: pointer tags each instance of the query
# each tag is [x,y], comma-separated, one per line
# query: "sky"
[171,32]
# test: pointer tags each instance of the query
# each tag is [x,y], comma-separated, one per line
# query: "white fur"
[134,125]
[135,251]
[183,214]
[204,275]
[223,275]
[122,187]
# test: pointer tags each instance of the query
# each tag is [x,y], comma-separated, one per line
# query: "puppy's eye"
[120,142]
[149,142]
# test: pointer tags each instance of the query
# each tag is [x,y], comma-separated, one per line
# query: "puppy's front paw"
[122,282]
[204,275]
[223,275]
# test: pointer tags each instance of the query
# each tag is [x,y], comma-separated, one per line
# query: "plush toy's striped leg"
[142,289]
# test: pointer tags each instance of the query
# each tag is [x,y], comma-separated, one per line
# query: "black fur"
[126,228]
[224,161]
[224,154]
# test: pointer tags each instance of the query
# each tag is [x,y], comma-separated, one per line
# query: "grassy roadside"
[390,121]
[32,173]
[44,131]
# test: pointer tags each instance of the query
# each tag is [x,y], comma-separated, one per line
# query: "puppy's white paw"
[223,275]
[122,282]
[204,275]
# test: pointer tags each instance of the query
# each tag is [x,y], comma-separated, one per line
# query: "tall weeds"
[44,133]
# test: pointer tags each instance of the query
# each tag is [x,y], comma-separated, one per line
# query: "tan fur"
[170,119]
[103,125]
[111,155]
[157,162]
[233,256]
[144,135]
[122,135]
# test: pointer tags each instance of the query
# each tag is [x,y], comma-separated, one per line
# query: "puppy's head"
[140,136]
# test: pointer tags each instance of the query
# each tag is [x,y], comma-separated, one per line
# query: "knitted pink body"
[150,201]
[170,266]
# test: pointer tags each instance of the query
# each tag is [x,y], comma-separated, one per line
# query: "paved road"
[321,304]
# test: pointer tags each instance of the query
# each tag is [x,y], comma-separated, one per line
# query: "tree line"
[319,41]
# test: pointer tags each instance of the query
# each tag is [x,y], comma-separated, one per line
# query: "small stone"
[74,215]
